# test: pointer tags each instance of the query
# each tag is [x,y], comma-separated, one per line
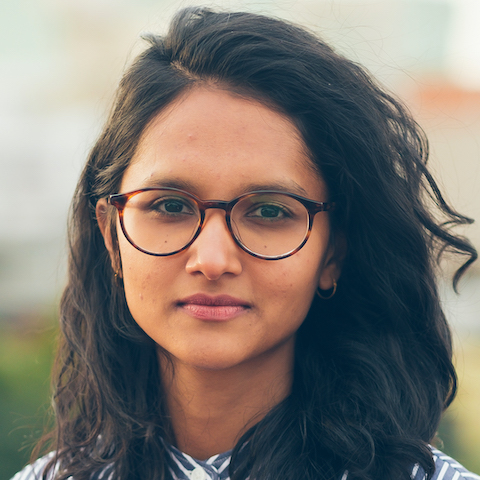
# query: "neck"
[211,409]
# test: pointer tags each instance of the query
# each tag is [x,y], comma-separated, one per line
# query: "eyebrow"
[289,186]
[171,182]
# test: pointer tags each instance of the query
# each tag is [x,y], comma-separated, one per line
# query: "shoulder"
[35,470]
[446,468]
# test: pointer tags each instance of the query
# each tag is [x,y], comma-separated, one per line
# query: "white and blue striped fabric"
[183,467]
[446,468]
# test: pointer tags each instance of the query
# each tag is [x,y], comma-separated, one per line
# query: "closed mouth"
[213,308]
[213,301]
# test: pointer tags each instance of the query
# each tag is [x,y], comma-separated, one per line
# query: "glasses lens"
[160,221]
[270,224]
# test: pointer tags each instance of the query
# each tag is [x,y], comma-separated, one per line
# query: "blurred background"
[60,61]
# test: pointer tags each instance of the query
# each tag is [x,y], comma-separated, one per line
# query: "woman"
[252,272]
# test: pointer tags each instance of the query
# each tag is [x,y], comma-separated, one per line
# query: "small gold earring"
[328,297]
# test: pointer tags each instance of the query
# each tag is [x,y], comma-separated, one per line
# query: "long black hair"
[373,369]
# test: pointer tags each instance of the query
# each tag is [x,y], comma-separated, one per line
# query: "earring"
[117,275]
[328,297]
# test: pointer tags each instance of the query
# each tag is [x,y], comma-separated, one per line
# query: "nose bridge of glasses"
[216,204]
[222,218]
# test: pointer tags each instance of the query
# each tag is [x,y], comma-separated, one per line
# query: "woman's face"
[213,305]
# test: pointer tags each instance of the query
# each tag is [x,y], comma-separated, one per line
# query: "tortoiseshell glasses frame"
[275,222]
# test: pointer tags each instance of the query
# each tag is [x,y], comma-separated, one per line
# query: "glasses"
[266,224]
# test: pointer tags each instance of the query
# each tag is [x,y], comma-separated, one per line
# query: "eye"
[172,206]
[268,211]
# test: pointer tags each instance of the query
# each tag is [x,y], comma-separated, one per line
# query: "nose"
[214,252]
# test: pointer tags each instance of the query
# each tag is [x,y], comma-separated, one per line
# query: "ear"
[105,226]
[332,267]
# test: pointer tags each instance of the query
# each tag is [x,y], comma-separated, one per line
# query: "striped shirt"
[184,467]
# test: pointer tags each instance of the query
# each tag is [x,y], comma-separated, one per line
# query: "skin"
[228,374]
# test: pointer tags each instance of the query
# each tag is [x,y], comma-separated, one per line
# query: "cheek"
[141,277]
[291,285]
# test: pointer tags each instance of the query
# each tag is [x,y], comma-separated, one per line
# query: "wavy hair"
[373,370]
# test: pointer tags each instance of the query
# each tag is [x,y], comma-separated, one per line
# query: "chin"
[211,360]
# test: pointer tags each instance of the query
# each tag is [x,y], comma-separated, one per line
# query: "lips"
[213,308]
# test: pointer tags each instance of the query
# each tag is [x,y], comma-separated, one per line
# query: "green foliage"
[451,441]
[25,362]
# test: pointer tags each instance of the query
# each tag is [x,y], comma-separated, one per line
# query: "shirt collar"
[184,467]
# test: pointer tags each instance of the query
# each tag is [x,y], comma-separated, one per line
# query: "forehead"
[220,145]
